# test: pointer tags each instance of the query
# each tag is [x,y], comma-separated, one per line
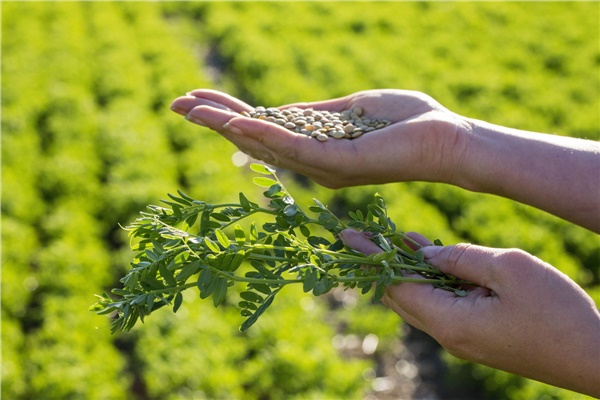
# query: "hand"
[424,142]
[526,317]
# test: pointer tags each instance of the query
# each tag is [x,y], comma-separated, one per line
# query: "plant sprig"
[191,243]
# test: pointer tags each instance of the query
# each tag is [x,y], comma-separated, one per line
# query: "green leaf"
[290,210]
[310,280]
[252,297]
[179,200]
[262,169]
[167,274]
[379,292]
[322,286]
[304,230]
[191,220]
[151,255]
[212,246]
[245,203]
[220,291]
[264,182]
[188,198]
[419,255]
[150,302]
[222,238]
[204,280]
[261,287]
[253,232]
[240,236]
[263,307]
[317,241]
[236,261]
[220,217]
[177,302]
[379,200]
[263,270]
[188,270]
[274,192]
[320,205]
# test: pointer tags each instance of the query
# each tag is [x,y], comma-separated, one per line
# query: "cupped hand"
[525,317]
[424,142]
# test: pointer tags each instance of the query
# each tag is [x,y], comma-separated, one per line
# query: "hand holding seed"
[369,137]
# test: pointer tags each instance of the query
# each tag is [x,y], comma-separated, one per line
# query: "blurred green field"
[88,141]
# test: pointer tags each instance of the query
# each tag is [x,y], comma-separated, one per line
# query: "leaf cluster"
[190,243]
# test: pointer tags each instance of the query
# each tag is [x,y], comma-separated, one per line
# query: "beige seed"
[321,124]
[338,134]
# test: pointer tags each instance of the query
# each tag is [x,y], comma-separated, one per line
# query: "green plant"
[284,252]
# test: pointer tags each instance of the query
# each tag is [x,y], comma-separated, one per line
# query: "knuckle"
[456,254]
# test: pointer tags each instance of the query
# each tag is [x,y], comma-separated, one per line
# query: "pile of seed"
[320,124]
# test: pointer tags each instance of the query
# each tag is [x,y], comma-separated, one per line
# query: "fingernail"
[232,129]
[178,110]
[195,120]
[431,251]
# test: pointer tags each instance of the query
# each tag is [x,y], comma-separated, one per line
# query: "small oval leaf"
[261,169]
[264,182]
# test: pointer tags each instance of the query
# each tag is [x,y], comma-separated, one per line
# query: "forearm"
[560,175]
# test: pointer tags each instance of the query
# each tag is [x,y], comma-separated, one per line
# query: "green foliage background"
[88,141]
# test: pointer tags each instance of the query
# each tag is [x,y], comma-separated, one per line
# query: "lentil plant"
[283,251]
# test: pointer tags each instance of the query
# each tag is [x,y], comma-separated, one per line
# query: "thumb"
[358,241]
[472,263]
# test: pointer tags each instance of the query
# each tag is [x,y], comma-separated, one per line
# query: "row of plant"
[88,141]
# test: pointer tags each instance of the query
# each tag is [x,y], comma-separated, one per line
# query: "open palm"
[420,144]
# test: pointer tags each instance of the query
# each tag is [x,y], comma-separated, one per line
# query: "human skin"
[425,142]
[525,317]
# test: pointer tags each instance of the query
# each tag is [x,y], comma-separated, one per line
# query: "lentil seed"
[320,124]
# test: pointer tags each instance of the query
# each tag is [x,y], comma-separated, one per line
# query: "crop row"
[88,141]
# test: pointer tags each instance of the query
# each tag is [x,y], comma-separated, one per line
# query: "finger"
[211,117]
[184,104]
[473,263]
[225,99]
[296,152]
[418,303]
[358,241]
[415,240]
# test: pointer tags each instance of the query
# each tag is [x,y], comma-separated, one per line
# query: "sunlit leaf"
[261,169]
